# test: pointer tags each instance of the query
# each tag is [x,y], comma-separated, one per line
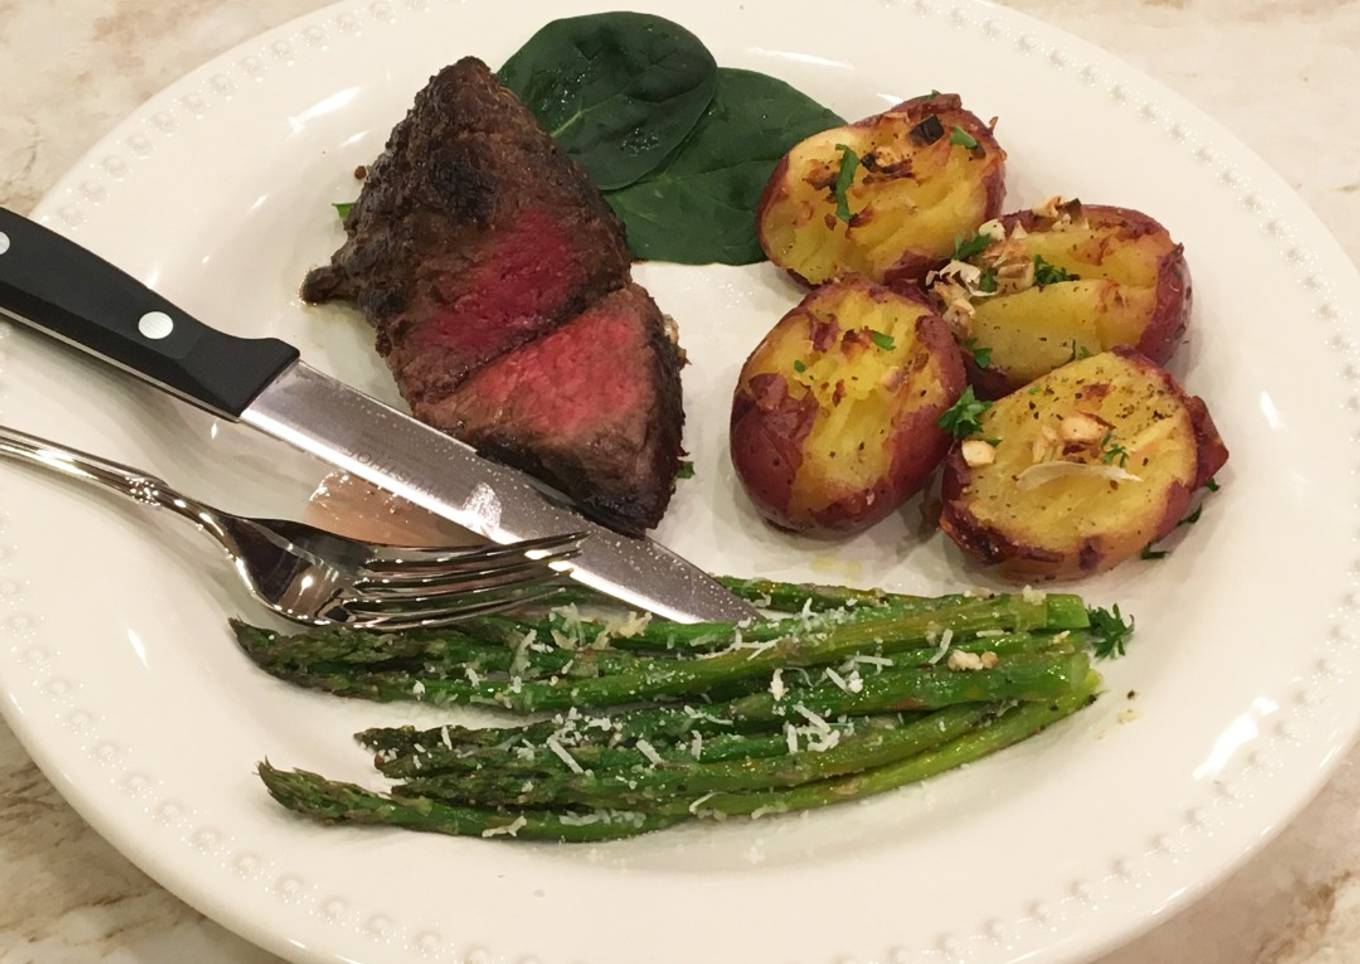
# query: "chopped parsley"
[686,470]
[987,281]
[343,209]
[961,418]
[882,340]
[1050,274]
[982,356]
[1111,450]
[798,366]
[845,178]
[1151,553]
[1212,485]
[970,247]
[1078,351]
[1111,632]
[961,137]
[1193,517]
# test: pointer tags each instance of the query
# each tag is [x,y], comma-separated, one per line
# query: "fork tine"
[402,580]
[414,592]
[447,616]
[403,557]
[415,605]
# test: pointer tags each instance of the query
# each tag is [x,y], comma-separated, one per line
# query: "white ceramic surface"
[135,704]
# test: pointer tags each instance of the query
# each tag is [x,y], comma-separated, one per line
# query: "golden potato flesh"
[1057,288]
[924,173]
[834,416]
[1089,464]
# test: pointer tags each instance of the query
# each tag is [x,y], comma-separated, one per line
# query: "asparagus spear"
[330,801]
[605,788]
[792,597]
[682,721]
[1015,678]
[524,757]
[331,652]
[311,795]
[679,677]
[1018,724]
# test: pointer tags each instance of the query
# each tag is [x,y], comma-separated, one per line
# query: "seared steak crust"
[481,254]
[473,234]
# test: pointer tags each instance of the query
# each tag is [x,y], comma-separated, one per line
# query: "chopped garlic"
[1018,231]
[1080,428]
[1043,444]
[1050,209]
[963,661]
[1045,472]
[993,229]
[959,316]
[978,452]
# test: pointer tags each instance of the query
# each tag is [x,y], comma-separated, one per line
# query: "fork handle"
[138,486]
[62,289]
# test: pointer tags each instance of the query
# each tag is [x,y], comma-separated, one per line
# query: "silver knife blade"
[359,434]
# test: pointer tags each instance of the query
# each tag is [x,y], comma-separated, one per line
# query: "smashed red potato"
[1043,287]
[1081,470]
[834,421]
[885,197]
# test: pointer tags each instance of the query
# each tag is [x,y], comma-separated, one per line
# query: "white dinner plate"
[122,681]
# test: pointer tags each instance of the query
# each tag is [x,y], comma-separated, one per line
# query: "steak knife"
[54,285]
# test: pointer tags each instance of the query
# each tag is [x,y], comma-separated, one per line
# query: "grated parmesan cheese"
[777,687]
[946,638]
[444,738]
[511,829]
[418,690]
[649,751]
[817,723]
[696,744]
[837,679]
[791,737]
[694,807]
[1033,596]
[561,753]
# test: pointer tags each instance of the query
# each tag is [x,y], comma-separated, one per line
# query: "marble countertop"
[1283,74]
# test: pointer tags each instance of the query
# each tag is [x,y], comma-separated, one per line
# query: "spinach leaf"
[700,206]
[618,91]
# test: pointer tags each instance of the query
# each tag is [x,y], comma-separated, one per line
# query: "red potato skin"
[769,425]
[988,383]
[912,267]
[766,442]
[991,547]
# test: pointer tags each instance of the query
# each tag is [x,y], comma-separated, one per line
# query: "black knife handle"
[60,288]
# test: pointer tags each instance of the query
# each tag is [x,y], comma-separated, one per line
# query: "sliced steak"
[593,408]
[473,234]
[498,281]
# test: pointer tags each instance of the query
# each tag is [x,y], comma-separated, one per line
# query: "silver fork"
[319,578]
